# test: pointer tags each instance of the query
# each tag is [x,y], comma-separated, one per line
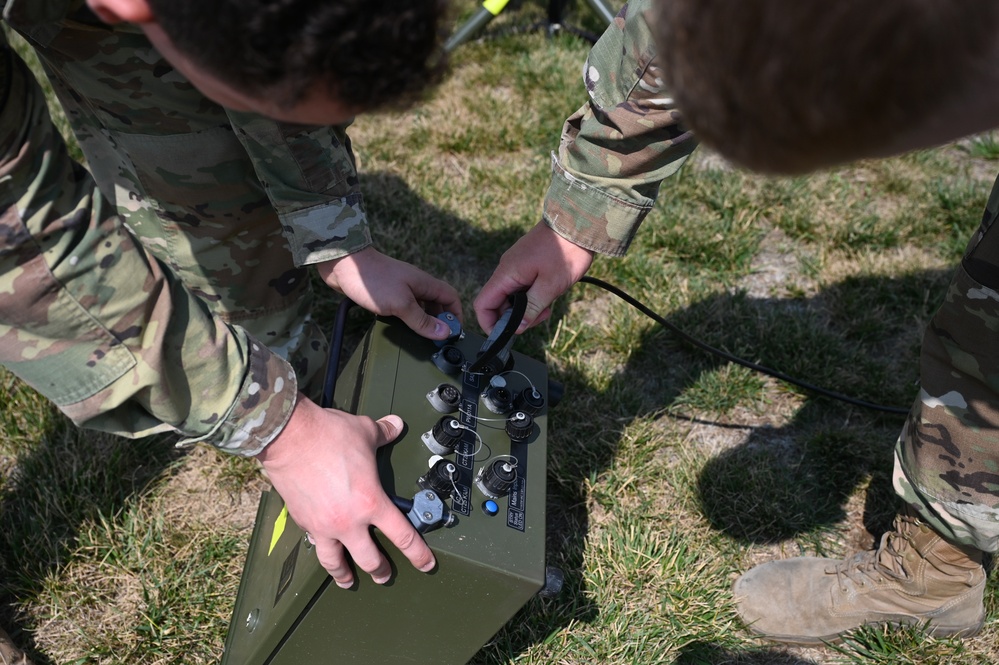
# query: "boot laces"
[876,565]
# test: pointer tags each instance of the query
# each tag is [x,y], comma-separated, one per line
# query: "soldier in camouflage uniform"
[617,149]
[166,289]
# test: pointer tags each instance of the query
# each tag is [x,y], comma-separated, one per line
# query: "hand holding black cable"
[496,348]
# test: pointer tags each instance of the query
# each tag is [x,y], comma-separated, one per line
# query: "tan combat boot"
[10,654]
[913,577]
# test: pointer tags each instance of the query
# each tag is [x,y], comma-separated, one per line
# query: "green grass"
[985,146]
[670,470]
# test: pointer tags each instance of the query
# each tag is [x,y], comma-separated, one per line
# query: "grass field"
[670,471]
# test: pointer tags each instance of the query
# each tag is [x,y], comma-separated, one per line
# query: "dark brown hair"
[789,85]
[370,54]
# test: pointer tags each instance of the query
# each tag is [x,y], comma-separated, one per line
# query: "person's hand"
[323,466]
[544,263]
[389,287]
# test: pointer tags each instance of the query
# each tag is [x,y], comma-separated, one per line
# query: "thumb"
[424,324]
[537,302]
[389,428]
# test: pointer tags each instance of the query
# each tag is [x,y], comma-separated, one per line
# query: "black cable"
[333,360]
[735,359]
[502,334]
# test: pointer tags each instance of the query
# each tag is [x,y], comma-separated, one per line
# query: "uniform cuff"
[263,407]
[589,216]
[328,231]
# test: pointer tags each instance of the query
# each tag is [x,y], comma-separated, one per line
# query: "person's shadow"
[782,482]
[54,489]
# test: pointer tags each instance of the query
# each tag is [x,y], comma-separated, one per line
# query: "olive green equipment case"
[288,611]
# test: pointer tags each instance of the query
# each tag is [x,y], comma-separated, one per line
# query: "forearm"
[617,149]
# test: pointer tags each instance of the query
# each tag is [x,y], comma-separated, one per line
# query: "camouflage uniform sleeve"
[93,322]
[311,179]
[620,145]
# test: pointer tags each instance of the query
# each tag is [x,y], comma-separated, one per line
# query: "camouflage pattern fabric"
[166,292]
[620,145]
[947,457]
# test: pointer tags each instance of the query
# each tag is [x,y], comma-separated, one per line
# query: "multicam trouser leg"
[947,457]
[181,182]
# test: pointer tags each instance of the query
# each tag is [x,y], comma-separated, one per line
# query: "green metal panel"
[289,613]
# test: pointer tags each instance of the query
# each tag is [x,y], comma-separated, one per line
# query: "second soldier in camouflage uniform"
[615,151]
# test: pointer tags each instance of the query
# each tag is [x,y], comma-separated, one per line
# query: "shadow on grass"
[55,489]
[859,338]
[794,479]
[705,653]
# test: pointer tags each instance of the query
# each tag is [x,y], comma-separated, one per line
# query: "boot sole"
[835,639]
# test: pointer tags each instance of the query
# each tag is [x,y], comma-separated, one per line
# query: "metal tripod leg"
[490,9]
[603,10]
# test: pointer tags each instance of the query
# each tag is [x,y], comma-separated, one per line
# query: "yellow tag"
[279,524]
[494,7]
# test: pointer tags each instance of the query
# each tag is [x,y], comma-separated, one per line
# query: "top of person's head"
[367,54]
[790,86]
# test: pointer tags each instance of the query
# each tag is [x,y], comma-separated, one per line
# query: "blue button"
[490,507]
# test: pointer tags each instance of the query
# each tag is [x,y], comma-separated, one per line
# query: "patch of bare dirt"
[198,493]
[775,268]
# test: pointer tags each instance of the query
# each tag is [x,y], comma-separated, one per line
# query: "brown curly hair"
[370,54]
[789,86]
